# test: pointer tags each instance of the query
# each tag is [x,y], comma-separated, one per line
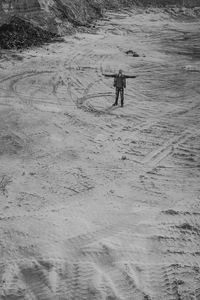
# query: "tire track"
[125,285]
[169,279]
[80,101]
[17,75]
[37,282]
[162,281]
[14,81]
[84,239]
[156,156]
[27,101]
[178,169]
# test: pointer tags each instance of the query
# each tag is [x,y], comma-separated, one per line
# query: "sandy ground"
[99,202]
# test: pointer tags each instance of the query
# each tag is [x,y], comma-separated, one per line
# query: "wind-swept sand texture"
[99,202]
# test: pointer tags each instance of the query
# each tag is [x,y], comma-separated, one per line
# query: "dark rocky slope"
[27,23]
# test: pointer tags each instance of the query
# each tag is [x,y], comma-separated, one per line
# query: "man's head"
[120,72]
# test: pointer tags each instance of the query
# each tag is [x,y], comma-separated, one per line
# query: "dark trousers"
[121,92]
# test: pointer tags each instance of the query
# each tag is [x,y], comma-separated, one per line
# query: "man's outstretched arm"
[130,76]
[109,75]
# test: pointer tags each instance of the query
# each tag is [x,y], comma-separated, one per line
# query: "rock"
[123,157]
[132,53]
[32,173]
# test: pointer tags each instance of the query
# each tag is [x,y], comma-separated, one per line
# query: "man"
[120,85]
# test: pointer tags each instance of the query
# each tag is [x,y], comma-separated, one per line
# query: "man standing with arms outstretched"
[120,85]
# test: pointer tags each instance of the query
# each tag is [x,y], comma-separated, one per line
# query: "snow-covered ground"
[99,202]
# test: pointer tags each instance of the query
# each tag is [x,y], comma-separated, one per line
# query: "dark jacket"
[120,81]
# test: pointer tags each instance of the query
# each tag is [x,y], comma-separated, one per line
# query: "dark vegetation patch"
[19,33]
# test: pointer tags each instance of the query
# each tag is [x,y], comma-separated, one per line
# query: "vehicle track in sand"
[32,100]
[156,156]
[99,268]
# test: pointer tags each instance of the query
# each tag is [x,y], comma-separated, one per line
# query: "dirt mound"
[25,24]
[63,16]
[19,33]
